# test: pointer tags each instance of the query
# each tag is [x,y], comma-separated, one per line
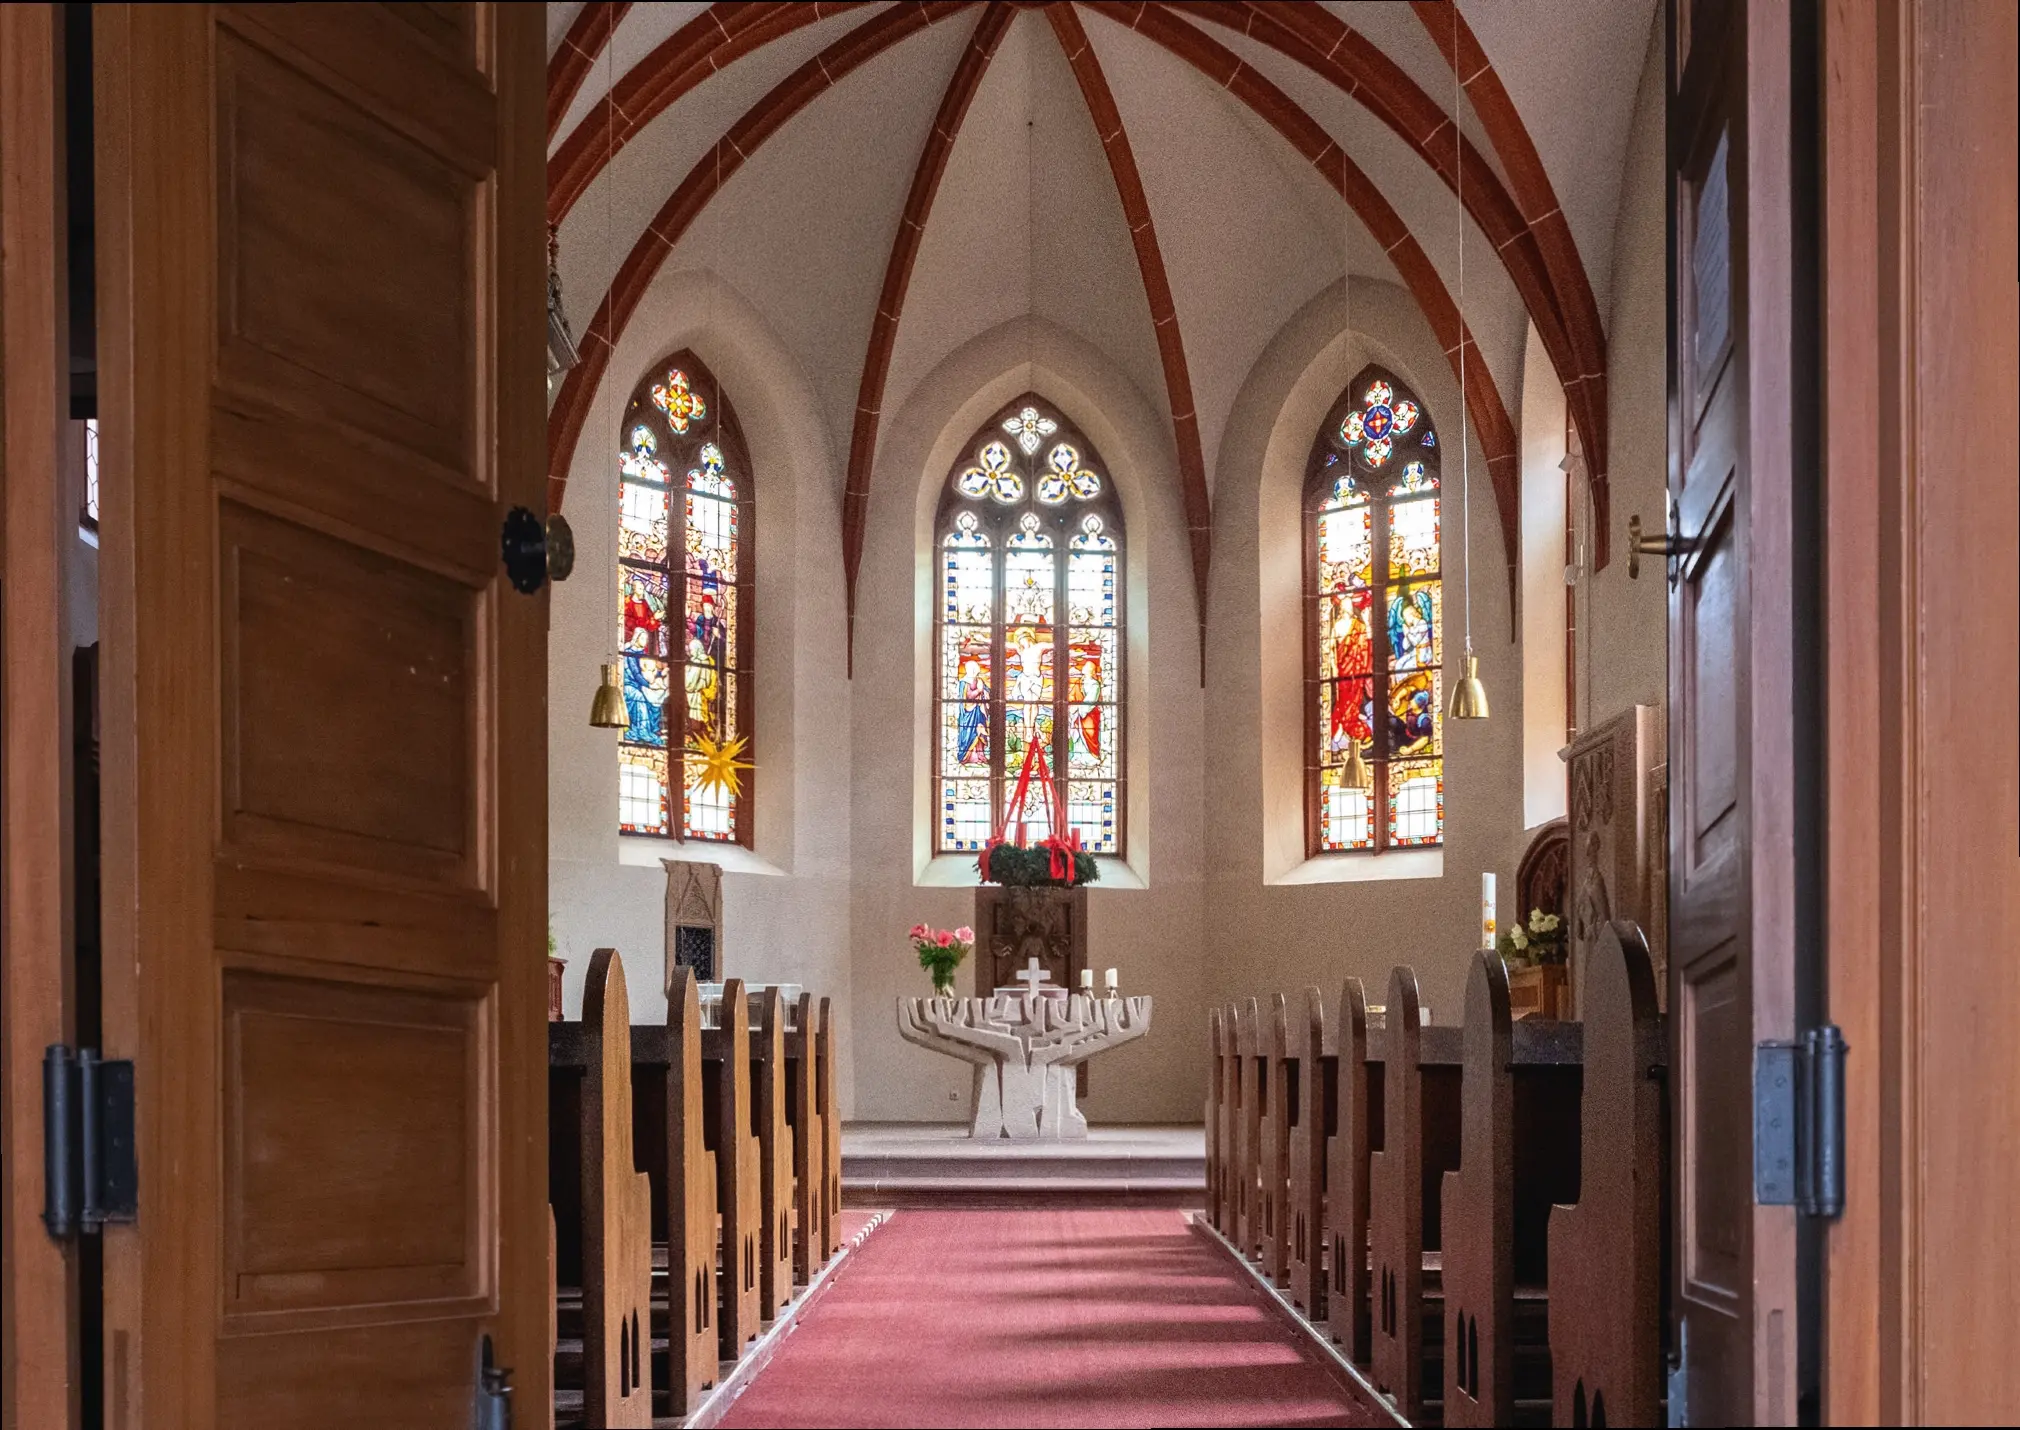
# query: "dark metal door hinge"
[90,1175]
[1799,1123]
[493,1410]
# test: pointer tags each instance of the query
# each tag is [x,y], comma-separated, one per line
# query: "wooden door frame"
[39,1380]
[1895,924]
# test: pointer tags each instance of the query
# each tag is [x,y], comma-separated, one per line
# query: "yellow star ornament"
[718,763]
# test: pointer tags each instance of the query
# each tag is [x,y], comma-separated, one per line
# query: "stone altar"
[1025,1044]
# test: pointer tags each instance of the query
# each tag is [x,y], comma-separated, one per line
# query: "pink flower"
[943,938]
[916,931]
[964,934]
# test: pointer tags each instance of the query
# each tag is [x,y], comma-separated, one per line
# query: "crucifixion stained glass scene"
[1028,632]
[684,593]
[1375,626]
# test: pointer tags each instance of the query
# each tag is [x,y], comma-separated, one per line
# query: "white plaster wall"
[1274,921]
[1152,933]
[1544,792]
[840,867]
[1624,623]
[786,901]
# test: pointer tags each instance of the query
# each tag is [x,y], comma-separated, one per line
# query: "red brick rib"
[954,104]
[1157,288]
[1585,384]
[1484,406]
[703,182]
[570,65]
[721,34]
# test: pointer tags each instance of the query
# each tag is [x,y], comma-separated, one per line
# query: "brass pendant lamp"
[606,707]
[1469,696]
[1356,774]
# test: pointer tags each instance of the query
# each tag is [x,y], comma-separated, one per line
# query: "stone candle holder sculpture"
[1024,1044]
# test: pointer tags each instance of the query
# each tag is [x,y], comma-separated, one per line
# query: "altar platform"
[927,1164]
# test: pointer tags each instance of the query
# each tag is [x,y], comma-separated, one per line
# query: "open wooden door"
[321,275]
[1731,672]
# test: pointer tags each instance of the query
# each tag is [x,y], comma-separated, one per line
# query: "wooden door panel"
[1715,1128]
[386,785]
[355,1150]
[1707,632]
[346,258]
[416,1375]
[322,395]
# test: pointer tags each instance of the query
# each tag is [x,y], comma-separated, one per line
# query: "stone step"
[901,1165]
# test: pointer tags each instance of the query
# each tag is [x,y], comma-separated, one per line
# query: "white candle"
[1111,980]
[1087,979]
[1488,927]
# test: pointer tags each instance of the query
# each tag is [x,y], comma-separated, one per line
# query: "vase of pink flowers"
[941,952]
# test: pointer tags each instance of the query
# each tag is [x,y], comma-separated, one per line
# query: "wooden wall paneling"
[1862,1336]
[1212,1116]
[1308,1159]
[1920,217]
[809,1158]
[726,1067]
[689,1186]
[1613,820]
[1396,1216]
[616,1215]
[831,1130]
[775,1154]
[1274,1164]
[1606,1252]
[1478,1267]
[38,1284]
[315,530]
[1348,1312]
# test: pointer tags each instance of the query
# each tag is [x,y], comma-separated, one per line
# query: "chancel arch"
[685,548]
[1374,624]
[1028,633]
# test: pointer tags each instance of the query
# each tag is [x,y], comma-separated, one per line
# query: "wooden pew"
[1518,1155]
[1605,1253]
[616,1215]
[1396,1206]
[1248,1132]
[1211,1121]
[726,1080]
[1274,1162]
[809,1159]
[1309,1129]
[687,1192]
[1348,1310]
[775,1154]
[831,1135]
[1230,1123]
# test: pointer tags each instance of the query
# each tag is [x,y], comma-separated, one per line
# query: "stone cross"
[1031,975]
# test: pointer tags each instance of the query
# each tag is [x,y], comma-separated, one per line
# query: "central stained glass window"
[1028,632]
[684,609]
[1375,624]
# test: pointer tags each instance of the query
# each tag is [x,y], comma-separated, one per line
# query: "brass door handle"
[1666,545]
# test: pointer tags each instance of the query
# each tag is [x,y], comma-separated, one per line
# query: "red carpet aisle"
[1057,1317]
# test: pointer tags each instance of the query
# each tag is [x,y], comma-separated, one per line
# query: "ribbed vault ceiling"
[1169,183]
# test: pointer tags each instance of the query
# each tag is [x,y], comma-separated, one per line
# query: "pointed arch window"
[1028,631]
[684,544]
[1374,623]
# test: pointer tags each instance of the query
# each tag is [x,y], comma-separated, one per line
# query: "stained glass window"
[1375,624]
[1028,631]
[684,609]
